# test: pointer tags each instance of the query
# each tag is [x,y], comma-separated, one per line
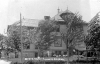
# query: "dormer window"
[58,28]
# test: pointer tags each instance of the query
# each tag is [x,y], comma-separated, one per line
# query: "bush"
[15,63]
[29,62]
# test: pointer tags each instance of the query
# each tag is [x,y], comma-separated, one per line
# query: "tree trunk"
[40,53]
[67,47]
[15,54]
[68,55]
[0,54]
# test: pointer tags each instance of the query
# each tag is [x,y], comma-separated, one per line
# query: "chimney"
[47,17]
[58,10]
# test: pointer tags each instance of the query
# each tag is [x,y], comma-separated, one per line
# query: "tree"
[1,40]
[44,36]
[15,34]
[93,38]
[1,43]
[74,30]
[15,38]
[93,41]
[13,43]
[1,37]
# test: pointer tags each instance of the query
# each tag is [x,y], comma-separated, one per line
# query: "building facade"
[57,49]
[29,27]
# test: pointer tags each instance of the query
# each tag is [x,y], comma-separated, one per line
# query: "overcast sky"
[37,9]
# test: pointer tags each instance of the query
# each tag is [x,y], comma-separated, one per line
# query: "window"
[16,55]
[58,43]
[29,28]
[61,23]
[26,55]
[65,53]
[58,52]
[90,54]
[53,53]
[58,28]
[36,54]
[26,46]
[36,47]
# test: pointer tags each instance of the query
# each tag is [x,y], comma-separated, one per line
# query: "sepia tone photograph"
[49,31]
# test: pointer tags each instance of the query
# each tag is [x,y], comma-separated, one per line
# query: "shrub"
[29,62]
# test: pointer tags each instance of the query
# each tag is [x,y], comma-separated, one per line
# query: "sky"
[36,9]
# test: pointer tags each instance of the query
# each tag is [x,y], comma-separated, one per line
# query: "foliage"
[93,42]
[15,63]
[29,62]
[26,62]
[1,43]
[14,41]
[45,38]
[1,37]
[93,38]
[14,35]
[74,24]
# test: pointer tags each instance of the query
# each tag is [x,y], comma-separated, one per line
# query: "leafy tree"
[93,39]
[44,36]
[1,40]
[74,33]
[1,43]
[13,43]
[1,37]
[93,42]
[15,38]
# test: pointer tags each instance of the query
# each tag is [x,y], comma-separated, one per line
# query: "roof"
[95,19]
[28,22]
[57,17]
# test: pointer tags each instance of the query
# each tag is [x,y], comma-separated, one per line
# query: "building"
[62,30]
[29,27]
[57,49]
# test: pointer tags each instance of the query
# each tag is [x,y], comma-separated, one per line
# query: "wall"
[62,29]
[85,28]
[63,47]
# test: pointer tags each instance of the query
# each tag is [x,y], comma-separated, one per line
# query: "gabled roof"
[57,16]
[28,22]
